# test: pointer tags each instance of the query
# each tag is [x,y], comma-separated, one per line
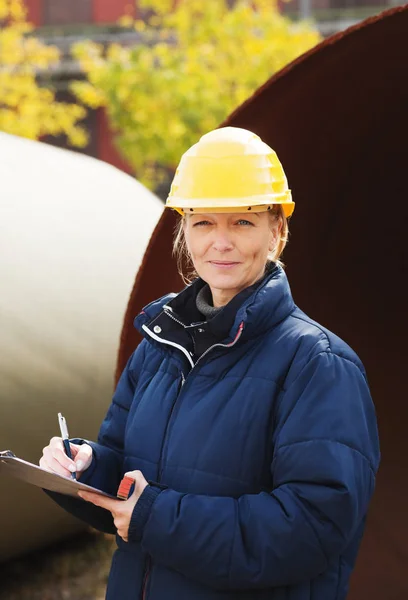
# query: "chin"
[225,283]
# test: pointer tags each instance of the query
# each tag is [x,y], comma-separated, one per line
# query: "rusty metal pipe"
[338,119]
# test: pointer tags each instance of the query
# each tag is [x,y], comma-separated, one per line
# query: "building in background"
[335,15]
[63,23]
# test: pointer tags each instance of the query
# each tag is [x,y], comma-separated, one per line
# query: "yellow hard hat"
[229,170]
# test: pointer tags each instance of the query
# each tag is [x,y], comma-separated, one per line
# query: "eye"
[201,223]
[244,222]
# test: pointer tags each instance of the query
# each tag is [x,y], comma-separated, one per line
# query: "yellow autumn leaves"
[26,108]
[196,62]
[191,64]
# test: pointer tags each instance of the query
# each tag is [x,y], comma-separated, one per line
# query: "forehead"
[224,215]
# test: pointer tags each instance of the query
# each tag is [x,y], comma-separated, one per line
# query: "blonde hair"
[185,265]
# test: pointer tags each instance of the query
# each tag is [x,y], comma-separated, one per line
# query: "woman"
[248,428]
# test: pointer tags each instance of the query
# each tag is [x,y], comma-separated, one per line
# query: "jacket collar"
[269,304]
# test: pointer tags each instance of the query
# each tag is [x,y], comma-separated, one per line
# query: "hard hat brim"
[232,205]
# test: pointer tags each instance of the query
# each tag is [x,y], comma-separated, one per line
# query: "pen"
[65,437]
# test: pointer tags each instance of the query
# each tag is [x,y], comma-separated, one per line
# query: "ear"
[273,238]
[275,233]
[183,227]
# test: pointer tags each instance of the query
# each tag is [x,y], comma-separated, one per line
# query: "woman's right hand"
[55,460]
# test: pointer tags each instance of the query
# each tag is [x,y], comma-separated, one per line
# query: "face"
[229,250]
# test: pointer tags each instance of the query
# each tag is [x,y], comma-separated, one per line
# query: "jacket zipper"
[169,313]
[235,340]
[183,380]
[162,341]
[160,469]
[182,349]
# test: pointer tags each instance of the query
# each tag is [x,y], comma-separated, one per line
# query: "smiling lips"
[223,264]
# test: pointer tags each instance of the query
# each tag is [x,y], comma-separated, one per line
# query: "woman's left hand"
[121,509]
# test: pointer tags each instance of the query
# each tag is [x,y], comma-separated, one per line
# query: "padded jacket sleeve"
[324,463]
[105,471]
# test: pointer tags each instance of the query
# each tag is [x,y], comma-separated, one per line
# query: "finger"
[56,445]
[56,451]
[134,474]
[122,530]
[83,457]
[52,465]
[137,477]
[44,465]
[140,481]
[102,501]
[49,463]
[55,441]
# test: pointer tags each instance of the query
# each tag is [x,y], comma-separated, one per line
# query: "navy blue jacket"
[262,459]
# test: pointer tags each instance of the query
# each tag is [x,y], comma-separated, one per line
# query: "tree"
[196,63]
[26,108]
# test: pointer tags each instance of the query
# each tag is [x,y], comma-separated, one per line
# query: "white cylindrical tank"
[73,231]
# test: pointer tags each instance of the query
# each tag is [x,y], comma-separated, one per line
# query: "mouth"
[223,264]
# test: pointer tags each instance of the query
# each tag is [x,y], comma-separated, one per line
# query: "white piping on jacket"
[158,339]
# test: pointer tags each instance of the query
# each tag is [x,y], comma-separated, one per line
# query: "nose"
[222,241]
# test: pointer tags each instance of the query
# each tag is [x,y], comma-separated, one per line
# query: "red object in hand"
[124,487]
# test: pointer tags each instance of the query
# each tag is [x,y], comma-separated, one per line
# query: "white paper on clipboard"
[16,467]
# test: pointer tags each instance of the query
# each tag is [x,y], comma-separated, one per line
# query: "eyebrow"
[236,215]
[243,215]
[247,214]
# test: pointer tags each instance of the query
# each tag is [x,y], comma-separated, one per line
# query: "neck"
[204,303]
[222,297]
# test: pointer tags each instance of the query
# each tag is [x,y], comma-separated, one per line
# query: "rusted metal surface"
[338,119]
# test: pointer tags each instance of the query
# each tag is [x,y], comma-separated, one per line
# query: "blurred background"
[89,75]
[132,85]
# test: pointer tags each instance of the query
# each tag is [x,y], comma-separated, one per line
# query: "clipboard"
[13,466]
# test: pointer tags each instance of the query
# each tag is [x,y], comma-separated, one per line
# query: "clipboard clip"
[7,453]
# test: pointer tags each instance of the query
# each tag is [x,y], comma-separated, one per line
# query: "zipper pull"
[183,379]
